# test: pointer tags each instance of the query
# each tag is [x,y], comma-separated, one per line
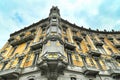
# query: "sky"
[94,14]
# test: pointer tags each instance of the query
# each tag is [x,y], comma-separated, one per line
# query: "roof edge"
[91,30]
[28,27]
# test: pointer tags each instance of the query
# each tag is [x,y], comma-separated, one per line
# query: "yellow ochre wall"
[76,55]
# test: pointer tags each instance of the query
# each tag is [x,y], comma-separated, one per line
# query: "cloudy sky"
[94,14]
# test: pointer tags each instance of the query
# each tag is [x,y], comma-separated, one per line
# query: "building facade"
[55,49]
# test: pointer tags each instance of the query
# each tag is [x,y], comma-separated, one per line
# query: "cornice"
[30,26]
[67,22]
[90,30]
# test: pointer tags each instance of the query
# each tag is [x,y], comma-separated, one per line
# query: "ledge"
[90,71]
[22,40]
[116,56]
[10,73]
[77,38]
[69,45]
[36,45]
[115,73]
[95,53]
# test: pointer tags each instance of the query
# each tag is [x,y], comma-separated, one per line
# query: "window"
[28,58]
[110,50]
[3,51]
[35,58]
[101,50]
[20,60]
[41,39]
[102,39]
[89,47]
[97,62]
[43,30]
[118,60]
[112,41]
[64,30]
[22,35]
[5,63]
[13,50]
[89,61]
[78,43]
[27,44]
[118,48]
[77,57]
[73,78]
[111,65]
[74,33]
[65,39]
[69,54]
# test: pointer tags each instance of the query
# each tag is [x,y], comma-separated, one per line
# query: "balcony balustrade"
[10,73]
[115,73]
[116,56]
[22,39]
[95,53]
[69,45]
[98,43]
[117,45]
[90,71]
[36,45]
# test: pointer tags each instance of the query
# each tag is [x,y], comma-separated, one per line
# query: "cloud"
[100,14]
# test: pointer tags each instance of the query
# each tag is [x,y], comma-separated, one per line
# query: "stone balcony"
[90,71]
[52,65]
[36,45]
[116,56]
[115,73]
[109,37]
[117,45]
[101,37]
[98,43]
[79,39]
[95,53]
[117,37]
[69,45]
[22,40]
[10,73]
